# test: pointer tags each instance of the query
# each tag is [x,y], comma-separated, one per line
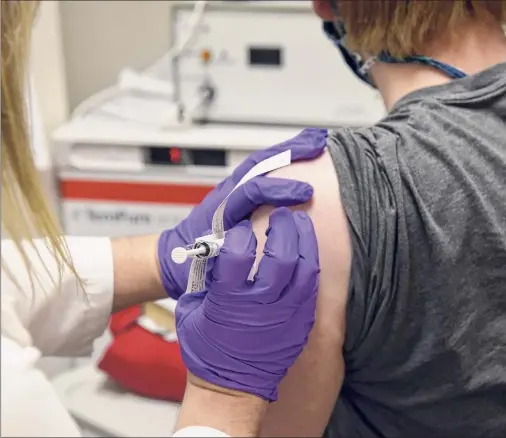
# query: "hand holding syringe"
[242,199]
[209,246]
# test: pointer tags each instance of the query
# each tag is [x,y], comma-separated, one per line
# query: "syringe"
[203,248]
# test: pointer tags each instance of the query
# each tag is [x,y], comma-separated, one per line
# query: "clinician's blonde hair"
[26,212]
[406,27]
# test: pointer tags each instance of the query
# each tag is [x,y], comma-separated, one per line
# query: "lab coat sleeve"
[58,321]
[30,406]
[200,431]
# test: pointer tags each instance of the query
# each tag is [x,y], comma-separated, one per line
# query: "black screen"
[265,56]
[175,156]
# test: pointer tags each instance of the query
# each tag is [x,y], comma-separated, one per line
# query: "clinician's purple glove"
[309,144]
[245,335]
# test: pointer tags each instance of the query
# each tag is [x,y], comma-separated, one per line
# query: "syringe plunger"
[201,249]
[180,255]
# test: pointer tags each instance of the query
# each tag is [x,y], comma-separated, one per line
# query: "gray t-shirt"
[425,195]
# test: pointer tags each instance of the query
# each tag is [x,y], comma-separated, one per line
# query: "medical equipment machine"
[270,70]
[120,179]
[241,62]
[265,64]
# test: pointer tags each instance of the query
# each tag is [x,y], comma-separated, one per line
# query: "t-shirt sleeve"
[371,206]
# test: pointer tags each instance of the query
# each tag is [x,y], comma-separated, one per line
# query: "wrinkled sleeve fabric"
[53,313]
[30,406]
[371,206]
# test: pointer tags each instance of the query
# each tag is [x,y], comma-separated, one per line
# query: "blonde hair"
[26,212]
[404,28]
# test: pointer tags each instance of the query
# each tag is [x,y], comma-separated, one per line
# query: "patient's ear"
[323,10]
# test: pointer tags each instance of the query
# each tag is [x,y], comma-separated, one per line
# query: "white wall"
[79,47]
[102,37]
[48,66]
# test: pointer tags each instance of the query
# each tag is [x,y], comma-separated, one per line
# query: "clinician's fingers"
[236,258]
[306,277]
[186,304]
[308,144]
[278,192]
[281,253]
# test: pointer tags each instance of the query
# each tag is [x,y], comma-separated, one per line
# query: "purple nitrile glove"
[277,192]
[244,335]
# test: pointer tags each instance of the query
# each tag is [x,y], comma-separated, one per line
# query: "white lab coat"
[48,321]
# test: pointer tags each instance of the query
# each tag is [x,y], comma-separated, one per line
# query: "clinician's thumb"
[236,257]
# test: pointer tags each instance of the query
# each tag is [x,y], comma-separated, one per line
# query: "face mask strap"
[336,32]
[364,69]
[450,71]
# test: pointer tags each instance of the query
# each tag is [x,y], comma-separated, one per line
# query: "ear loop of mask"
[449,70]
[365,66]
[354,60]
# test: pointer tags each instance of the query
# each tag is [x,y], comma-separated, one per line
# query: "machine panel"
[119,219]
[270,66]
[115,204]
[118,180]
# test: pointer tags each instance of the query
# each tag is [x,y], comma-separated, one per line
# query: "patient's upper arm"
[308,393]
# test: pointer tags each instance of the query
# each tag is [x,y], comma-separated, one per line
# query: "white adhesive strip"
[275,162]
[198,268]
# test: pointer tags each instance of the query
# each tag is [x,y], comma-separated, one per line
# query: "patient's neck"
[476,48]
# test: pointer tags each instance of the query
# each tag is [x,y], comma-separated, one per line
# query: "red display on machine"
[175,155]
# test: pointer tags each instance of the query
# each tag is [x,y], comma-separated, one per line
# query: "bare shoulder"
[308,393]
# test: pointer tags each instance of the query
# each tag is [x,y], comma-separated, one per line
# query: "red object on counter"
[143,362]
[124,320]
